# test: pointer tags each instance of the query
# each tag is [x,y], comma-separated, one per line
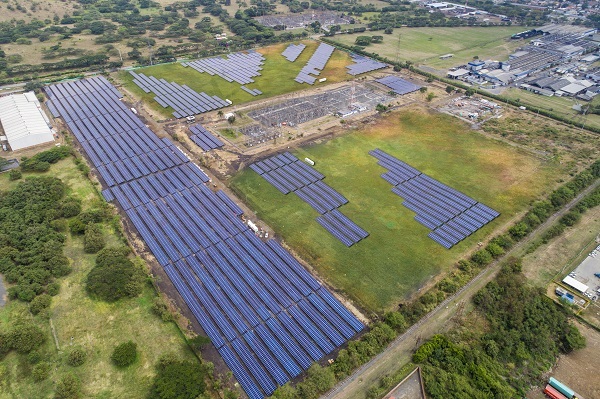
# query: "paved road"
[400,350]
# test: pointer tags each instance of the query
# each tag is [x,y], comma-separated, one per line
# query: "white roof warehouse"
[23,122]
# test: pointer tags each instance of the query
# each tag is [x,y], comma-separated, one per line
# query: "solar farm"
[267,316]
[293,51]
[398,85]
[316,64]
[288,174]
[363,65]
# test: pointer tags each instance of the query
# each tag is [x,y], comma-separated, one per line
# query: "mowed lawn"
[426,45]
[397,258]
[95,326]
[277,76]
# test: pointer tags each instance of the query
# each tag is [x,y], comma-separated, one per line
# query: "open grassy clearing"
[398,257]
[92,325]
[561,106]
[277,77]
[425,45]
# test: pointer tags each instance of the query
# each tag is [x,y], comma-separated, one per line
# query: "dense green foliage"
[22,338]
[30,248]
[176,379]
[41,162]
[76,357]
[525,332]
[124,354]
[115,276]
[93,239]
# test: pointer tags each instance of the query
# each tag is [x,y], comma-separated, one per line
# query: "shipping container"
[553,393]
[562,388]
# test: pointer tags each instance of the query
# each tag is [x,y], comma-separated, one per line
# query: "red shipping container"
[553,393]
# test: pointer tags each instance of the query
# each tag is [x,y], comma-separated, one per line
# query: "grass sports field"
[426,45]
[95,326]
[277,77]
[398,257]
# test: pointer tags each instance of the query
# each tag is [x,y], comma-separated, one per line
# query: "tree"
[482,257]
[68,387]
[381,108]
[177,379]
[363,40]
[27,337]
[114,276]
[423,89]
[93,239]
[124,354]
[430,97]
[40,303]
[395,320]
[449,89]
[198,342]
[41,371]
[231,119]
[469,92]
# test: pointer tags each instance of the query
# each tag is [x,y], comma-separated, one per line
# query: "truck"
[562,388]
[552,393]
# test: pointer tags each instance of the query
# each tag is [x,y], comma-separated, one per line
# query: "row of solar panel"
[204,139]
[80,106]
[315,64]
[293,51]
[253,92]
[363,65]
[341,227]
[182,99]
[452,215]
[238,67]
[79,87]
[321,197]
[180,219]
[398,85]
[274,162]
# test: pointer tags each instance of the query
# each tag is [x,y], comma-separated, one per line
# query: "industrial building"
[23,121]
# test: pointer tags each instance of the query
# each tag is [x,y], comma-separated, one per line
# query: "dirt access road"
[400,350]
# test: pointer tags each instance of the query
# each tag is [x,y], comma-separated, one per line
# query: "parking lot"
[586,271]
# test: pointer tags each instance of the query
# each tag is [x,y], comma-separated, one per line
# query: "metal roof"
[23,122]
[578,285]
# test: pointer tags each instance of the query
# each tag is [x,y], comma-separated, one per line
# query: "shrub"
[70,207]
[40,371]
[395,320]
[15,174]
[76,357]
[53,289]
[160,308]
[40,303]
[68,387]
[76,226]
[482,257]
[198,342]
[93,240]
[124,354]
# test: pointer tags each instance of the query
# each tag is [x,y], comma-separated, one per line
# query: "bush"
[482,257]
[40,303]
[53,289]
[40,371]
[124,354]
[15,174]
[76,357]
[198,342]
[395,320]
[70,207]
[93,240]
[160,308]
[177,379]
[114,276]
[68,387]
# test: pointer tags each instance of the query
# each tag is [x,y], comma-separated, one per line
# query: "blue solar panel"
[234,284]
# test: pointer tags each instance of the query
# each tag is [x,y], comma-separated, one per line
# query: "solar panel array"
[254,92]
[288,174]
[315,64]
[204,139]
[237,67]
[451,215]
[293,51]
[182,99]
[363,65]
[398,85]
[268,317]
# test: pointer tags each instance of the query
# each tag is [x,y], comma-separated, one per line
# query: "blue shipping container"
[562,388]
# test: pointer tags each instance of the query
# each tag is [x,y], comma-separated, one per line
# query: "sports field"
[426,45]
[397,258]
[277,77]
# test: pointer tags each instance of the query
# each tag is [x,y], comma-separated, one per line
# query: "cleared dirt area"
[578,370]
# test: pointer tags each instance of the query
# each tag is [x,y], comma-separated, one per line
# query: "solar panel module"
[451,215]
[363,65]
[315,64]
[398,85]
[242,291]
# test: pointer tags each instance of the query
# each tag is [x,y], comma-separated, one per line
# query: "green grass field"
[426,45]
[93,325]
[397,258]
[277,77]
[561,106]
